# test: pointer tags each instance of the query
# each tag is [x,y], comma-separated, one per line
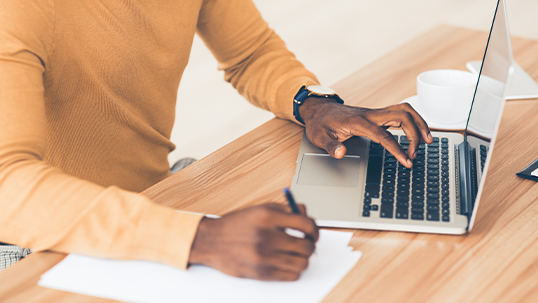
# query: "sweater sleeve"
[43,208]
[254,58]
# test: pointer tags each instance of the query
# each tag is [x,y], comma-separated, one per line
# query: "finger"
[385,138]
[401,119]
[419,121]
[300,223]
[302,209]
[334,147]
[285,243]
[271,273]
[287,262]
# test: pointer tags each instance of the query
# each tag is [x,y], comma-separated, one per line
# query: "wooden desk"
[497,262]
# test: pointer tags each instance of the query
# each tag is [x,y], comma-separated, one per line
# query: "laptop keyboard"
[420,193]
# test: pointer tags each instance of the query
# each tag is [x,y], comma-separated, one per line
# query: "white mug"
[446,94]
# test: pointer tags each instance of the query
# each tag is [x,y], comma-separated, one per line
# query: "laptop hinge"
[465,179]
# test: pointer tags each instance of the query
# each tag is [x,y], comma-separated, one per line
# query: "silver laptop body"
[369,189]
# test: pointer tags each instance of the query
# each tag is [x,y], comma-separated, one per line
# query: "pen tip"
[286,190]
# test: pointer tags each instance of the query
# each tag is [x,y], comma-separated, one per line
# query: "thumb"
[334,147]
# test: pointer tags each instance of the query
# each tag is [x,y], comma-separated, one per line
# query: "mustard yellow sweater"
[87,102]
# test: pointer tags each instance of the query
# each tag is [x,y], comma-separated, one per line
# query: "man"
[87,98]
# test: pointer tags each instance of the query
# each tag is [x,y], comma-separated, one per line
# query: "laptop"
[369,189]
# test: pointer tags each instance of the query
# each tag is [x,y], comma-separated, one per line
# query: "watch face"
[320,90]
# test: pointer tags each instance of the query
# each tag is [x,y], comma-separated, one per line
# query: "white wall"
[333,39]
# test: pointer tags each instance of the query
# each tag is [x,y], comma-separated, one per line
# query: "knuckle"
[264,272]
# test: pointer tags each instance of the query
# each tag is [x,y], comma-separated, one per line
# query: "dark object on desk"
[527,171]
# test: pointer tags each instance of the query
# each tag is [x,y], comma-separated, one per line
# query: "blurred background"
[332,39]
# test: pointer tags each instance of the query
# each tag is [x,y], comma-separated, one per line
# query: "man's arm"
[43,208]
[258,64]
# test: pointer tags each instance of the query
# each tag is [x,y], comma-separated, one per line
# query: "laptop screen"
[488,99]
[487,106]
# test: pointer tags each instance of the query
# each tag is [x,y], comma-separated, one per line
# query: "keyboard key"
[432,202]
[445,199]
[388,187]
[387,194]
[419,162]
[403,192]
[389,177]
[402,205]
[433,161]
[388,182]
[369,194]
[417,179]
[444,157]
[432,178]
[392,165]
[418,185]
[418,168]
[445,205]
[402,213]
[446,218]
[446,211]
[433,183]
[434,156]
[373,173]
[417,216]
[405,174]
[445,174]
[368,201]
[386,211]
[389,170]
[417,210]
[390,160]
[402,186]
[402,198]
[432,196]
[444,162]
[433,166]
[374,207]
[366,213]
[444,140]
[372,187]
[432,208]
[432,216]
[417,204]
[387,200]
[445,186]
[445,168]
[433,149]
[445,192]
[418,198]
[434,190]
[404,180]
[444,180]
[444,151]
[433,171]
[444,145]
[418,191]
[435,139]
[403,139]
[366,207]
[418,173]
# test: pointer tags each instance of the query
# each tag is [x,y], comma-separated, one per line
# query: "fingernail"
[336,150]
[414,155]
[409,162]
[430,137]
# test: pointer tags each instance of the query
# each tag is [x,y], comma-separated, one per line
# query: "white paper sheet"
[141,281]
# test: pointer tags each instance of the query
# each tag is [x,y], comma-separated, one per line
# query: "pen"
[291,201]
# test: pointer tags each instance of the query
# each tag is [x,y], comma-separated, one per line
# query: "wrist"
[314,105]
[200,251]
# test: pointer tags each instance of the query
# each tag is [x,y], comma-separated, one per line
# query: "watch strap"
[302,95]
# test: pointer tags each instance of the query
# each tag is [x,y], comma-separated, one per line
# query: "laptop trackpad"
[324,170]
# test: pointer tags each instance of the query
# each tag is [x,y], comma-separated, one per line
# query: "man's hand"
[328,124]
[252,243]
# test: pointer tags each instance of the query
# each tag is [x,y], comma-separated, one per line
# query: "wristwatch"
[312,91]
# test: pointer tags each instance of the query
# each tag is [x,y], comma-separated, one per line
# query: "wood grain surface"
[497,262]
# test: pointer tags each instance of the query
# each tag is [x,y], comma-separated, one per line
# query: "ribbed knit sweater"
[87,101]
